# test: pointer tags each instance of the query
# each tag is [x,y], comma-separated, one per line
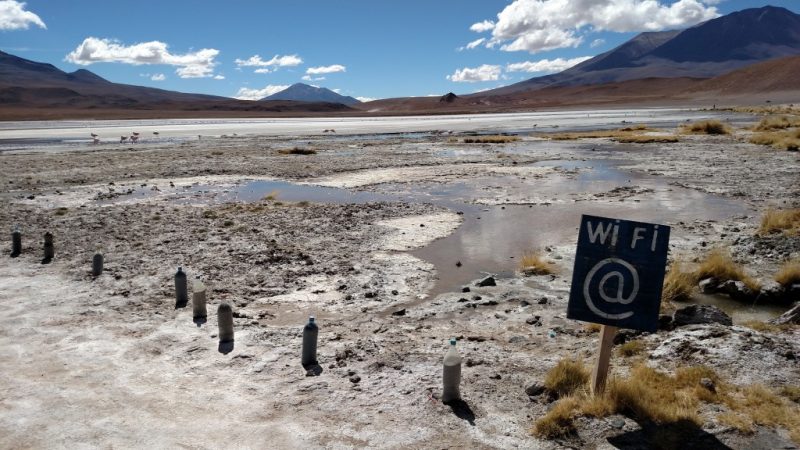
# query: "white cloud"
[485,72]
[14,17]
[274,63]
[258,94]
[475,43]
[310,78]
[326,69]
[219,77]
[540,25]
[480,27]
[366,99]
[597,43]
[546,65]
[158,77]
[199,64]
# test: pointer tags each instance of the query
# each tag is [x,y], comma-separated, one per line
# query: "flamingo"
[123,139]
[95,140]
[155,133]
[134,138]
[93,135]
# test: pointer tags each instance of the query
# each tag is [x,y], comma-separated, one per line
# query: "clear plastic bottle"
[451,375]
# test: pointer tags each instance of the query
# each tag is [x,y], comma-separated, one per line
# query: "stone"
[355,379]
[517,339]
[708,285]
[488,281]
[737,290]
[771,292]
[700,314]
[542,301]
[535,389]
[665,322]
[617,423]
[790,316]
[535,321]
[465,289]
[401,312]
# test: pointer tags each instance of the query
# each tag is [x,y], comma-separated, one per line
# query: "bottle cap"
[311,319]
[180,269]
[452,341]
[16,228]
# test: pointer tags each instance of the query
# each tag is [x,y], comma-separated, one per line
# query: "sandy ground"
[109,362]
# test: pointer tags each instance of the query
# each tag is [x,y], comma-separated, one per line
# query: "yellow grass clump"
[490,139]
[627,135]
[707,127]
[297,151]
[650,396]
[777,123]
[766,327]
[646,139]
[678,284]
[789,273]
[566,377]
[782,140]
[631,348]
[532,263]
[719,264]
[777,220]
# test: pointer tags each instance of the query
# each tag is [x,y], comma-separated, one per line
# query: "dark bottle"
[310,332]
[181,292]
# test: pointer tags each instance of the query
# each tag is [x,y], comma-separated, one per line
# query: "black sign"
[619,273]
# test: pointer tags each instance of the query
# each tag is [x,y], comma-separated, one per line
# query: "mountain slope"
[301,92]
[709,49]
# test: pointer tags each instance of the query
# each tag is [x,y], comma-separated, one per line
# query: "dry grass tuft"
[297,151]
[678,285]
[490,139]
[631,348]
[650,396]
[777,123]
[776,220]
[719,264]
[566,377]
[707,127]
[592,327]
[766,327]
[782,140]
[272,196]
[646,139]
[532,263]
[789,273]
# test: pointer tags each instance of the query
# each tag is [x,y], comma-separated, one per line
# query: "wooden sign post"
[617,281]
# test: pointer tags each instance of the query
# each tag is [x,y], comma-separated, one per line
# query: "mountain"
[301,92]
[31,90]
[709,49]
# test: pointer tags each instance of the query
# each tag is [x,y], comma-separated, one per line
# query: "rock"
[462,300]
[790,316]
[523,303]
[465,289]
[401,312]
[535,321]
[737,290]
[542,301]
[708,384]
[496,376]
[617,423]
[623,336]
[395,292]
[771,292]
[665,322]
[708,285]
[535,389]
[488,281]
[700,314]
[355,379]
[517,339]
[477,297]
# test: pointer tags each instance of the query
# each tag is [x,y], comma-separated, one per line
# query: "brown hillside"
[781,74]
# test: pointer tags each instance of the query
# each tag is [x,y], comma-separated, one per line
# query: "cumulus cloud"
[480,27]
[158,77]
[485,72]
[219,77]
[546,65]
[270,65]
[366,99]
[540,25]
[597,43]
[326,69]
[13,16]
[258,94]
[199,64]
[310,78]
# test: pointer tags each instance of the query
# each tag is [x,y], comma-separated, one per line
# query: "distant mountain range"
[706,50]
[301,92]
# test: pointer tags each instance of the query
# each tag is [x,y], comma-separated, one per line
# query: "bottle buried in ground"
[225,324]
[451,375]
[199,313]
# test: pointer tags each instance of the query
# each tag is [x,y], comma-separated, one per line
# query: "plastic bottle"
[181,291]
[97,264]
[16,242]
[310,333]
[49,248]
[451,375]
[199,313]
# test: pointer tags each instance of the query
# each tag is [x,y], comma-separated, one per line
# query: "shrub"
[631,348]
[719,264]
[532,263]
[789,273]
[777,123]
[566,377]
[490,139]
[776,220]
[297,151]
[707,127]
[678,285]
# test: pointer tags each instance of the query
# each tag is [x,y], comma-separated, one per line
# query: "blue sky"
[368,49]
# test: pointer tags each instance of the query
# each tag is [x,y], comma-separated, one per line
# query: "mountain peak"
[301,92]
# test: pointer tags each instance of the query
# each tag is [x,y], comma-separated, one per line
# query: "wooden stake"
[600,372]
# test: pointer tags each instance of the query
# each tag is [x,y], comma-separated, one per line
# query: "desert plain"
[383,230]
